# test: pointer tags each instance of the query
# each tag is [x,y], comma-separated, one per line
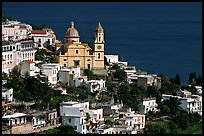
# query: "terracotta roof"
[22,26]
[38,32]
[29,61]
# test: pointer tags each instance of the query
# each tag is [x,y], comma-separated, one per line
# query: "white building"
[199,90]
[4,66]
[130,123]
[134,121]
[96,115]
[16,118]
[13,53]
[29,67]
[112,58]
[51,70]
[149,80]
[95,85]
[190,104]
[17,123]
[64,76]
[7,94]
[75,72]
[41,38]
[147,104]
[132,79]
[74,114]
[38,122]
[14,30]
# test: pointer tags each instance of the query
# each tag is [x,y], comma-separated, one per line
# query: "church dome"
[72,32]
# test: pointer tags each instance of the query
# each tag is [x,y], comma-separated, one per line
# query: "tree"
[177,79]
[199,81]
[120,74]
[192,78]
[116,67]
[40,54]
[165,109]
[89,73]
[108,122]
[182,119]
[52,59]
[124,92]
[173,103]
[71,90]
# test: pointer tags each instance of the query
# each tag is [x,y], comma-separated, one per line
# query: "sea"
[157,37]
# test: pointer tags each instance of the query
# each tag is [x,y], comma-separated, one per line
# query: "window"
[70,120]
[65,59]
[65,65]
[99,55]
[77,51]
[39,40]
[75,127]
[76,62]
[54,115]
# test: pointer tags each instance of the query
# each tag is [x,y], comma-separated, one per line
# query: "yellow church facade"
[75,53]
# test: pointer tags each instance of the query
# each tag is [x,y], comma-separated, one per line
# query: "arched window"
[99,55]
[77,51]
[88,60]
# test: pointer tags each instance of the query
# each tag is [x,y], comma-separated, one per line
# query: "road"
[45,128]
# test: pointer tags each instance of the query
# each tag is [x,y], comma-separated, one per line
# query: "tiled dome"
[72,32]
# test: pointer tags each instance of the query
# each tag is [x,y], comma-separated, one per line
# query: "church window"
[99,55]
[65,65]
[88,60]
[99,38]
[77,51]
[65,59]
[39,40]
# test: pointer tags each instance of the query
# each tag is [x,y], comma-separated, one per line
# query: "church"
[75,53]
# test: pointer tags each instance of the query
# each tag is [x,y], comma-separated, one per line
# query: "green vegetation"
[42,55]
[89,73]
[65,129]
[4,18]
[119,74]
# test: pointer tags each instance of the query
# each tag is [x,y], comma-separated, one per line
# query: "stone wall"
[22,129]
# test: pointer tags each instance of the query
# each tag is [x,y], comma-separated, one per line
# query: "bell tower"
[99,46]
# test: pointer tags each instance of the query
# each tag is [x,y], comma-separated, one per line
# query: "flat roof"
[15,115]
